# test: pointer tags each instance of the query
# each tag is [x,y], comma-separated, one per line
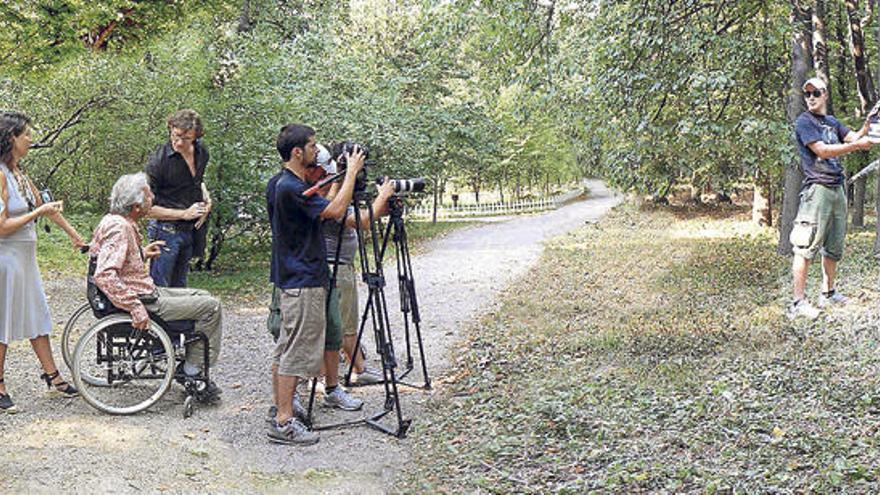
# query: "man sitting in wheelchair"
[121,274]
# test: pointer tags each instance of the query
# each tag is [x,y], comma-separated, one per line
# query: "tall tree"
[820,48]
[865,87]
[801,61]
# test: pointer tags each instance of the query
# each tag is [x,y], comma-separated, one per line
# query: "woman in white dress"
[24,313]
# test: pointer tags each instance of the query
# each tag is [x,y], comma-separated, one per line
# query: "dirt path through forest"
[57,445]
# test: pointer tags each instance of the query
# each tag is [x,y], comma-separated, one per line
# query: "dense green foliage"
[384,73]
[508,96]
[689,91]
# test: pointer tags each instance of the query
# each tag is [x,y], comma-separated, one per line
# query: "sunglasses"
[816,93]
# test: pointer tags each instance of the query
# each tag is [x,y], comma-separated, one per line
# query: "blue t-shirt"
[811,128]
[270,208]
[298,254]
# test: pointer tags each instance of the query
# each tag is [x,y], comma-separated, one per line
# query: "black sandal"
[62,387]
[6,404]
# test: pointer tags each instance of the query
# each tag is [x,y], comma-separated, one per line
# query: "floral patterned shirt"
[121,272]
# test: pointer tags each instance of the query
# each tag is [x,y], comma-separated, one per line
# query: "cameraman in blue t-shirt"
[820,224]
[299,270]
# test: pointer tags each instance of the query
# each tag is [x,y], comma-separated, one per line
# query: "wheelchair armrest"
[174,327]
[102,306]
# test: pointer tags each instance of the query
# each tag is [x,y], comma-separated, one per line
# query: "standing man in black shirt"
[820,224]
[176,171]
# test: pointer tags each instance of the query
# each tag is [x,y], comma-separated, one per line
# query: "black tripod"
[409,303]
[376,311]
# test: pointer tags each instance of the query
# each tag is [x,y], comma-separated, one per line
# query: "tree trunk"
[865,88]
[876,250]
[245,22]
[218,237]
[801,61]
[864,81]
[858,206]
[820,49]
[842,59]
[762,202]
[436,199]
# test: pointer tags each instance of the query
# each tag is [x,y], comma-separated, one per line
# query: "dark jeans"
[170,268]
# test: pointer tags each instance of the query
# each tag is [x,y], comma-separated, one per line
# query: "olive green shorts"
[820,224]
[333,338]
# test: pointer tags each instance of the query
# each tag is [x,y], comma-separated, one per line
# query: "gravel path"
[63,445]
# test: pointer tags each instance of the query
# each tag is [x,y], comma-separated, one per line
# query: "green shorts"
[333,338]
[820,224]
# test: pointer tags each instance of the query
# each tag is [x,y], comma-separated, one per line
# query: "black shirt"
[171,181]
[811,128]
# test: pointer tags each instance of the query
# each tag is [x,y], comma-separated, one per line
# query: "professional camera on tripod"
[371,259]
[346,148]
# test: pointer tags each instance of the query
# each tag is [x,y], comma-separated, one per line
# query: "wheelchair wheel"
[120,370]
[80,321]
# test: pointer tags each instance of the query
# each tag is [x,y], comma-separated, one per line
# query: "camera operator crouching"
[299,269]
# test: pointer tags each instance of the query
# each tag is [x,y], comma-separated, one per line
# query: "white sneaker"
[340,399]
[803,308]
[835,299]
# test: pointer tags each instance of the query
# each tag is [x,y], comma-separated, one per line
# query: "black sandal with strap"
[62,387]
[6,404]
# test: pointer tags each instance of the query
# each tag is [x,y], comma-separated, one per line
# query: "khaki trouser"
[300,347]
[346,284]
[175,304]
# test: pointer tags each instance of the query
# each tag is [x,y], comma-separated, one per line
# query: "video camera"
[341,151]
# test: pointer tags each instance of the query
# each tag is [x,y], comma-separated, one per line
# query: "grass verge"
[649,353]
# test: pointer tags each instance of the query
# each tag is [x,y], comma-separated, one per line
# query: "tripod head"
[395,207]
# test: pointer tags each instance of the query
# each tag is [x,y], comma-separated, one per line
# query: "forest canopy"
[500,95]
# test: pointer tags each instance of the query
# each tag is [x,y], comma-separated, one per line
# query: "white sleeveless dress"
[24,313]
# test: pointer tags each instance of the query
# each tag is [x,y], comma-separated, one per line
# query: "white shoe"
[835,299]
[803,308]
[340,399]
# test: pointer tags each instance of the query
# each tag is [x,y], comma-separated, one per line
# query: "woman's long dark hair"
[12,124]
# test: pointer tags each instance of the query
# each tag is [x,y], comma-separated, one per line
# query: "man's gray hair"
[127,192]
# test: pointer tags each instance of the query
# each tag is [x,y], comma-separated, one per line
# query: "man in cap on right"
[820,224]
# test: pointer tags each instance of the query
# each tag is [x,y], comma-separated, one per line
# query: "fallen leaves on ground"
[649,352]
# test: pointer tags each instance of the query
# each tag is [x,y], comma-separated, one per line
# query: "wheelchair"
[119,369]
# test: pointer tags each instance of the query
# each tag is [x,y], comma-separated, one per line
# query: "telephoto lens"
[409,185]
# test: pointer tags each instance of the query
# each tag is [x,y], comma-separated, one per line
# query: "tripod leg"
[357,343]
[311,402]
[403,287]
[412,304]
[381,326]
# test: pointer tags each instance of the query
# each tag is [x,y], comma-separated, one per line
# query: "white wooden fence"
[425,211]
